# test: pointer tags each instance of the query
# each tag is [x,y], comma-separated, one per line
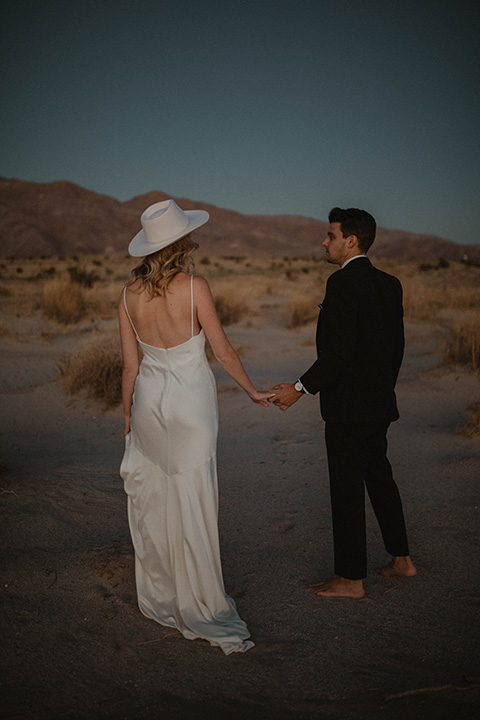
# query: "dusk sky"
[281,107]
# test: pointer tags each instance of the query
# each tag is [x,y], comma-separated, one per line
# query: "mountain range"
[63,219]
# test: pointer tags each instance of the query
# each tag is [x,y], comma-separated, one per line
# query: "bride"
[171,422]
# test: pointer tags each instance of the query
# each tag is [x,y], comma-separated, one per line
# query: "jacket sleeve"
[338,335]
[399,340]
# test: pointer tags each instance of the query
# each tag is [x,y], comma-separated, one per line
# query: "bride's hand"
[261,396]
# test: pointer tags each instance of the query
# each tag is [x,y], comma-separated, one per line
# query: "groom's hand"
[285,396]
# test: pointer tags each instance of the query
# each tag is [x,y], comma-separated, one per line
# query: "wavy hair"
[157,270]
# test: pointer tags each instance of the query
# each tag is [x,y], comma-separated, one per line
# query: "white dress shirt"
[350,260]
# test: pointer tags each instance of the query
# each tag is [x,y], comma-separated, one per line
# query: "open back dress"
[170,474]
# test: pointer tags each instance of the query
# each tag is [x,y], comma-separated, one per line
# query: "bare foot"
[339,587]
[398,567]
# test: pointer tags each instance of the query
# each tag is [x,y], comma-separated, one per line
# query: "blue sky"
[288,106]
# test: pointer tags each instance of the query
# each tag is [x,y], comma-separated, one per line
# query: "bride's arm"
[129,348]
[222,349]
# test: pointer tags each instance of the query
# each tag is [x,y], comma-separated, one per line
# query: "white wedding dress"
[170,474]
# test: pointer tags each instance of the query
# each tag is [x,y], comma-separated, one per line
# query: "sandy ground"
[74,644]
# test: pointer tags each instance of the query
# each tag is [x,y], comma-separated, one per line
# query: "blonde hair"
[157,270]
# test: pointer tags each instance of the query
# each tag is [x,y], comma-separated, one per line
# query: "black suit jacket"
[360,343]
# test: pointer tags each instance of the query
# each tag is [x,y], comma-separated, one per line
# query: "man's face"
[336,246]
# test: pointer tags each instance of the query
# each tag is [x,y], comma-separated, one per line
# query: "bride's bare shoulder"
[201,284]
[134,287]
[130,290]
[182,282]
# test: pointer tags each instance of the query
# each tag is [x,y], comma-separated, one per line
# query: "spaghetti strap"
[128,314]
[191,301]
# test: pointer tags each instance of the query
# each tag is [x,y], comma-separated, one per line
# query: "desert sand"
[74,644]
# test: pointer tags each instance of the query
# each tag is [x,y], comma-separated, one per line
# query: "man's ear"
[352,241]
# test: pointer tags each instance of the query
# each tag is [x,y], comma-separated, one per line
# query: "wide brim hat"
[162,224]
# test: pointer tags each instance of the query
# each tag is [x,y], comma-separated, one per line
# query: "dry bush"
[230,309]
[462,296]
[96,369]
[102,300]
[472,423]
[63,301]
[462,346]
[426,295]
[232,299]
[82,277]
[422,299]
[301,311]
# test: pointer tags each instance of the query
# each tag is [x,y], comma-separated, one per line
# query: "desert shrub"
[462,297]
[301,311]
[441,264]
[422,300]
[63,301]
[426,295]
[462,346]
[234,258]
[96,369]
[230,308]
[42,274]
[470,262]
[82,277]
[472,423]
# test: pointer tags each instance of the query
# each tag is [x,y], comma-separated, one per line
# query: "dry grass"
[230,309]
[302,311]
[63,301]
[462,346]
[243,289]
[232,300]
[96,369]
[421,301]
[284,292]
[425,296]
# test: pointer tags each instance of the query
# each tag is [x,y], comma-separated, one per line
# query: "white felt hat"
[162,224]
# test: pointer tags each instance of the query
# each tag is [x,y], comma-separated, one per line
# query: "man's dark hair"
[355,222]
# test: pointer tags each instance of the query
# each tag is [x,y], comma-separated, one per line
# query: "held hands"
[261,396]
[285,396]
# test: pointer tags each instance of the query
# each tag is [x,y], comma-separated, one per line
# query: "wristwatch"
[299,387]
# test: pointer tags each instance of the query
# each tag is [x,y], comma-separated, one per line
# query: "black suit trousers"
[357,458]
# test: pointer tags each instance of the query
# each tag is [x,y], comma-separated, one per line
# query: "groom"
[360,344]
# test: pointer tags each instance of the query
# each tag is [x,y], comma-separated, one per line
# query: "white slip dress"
[170,474]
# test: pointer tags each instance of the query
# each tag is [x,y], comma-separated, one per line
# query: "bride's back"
[163,321]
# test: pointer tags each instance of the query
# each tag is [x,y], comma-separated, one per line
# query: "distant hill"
[64,219]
